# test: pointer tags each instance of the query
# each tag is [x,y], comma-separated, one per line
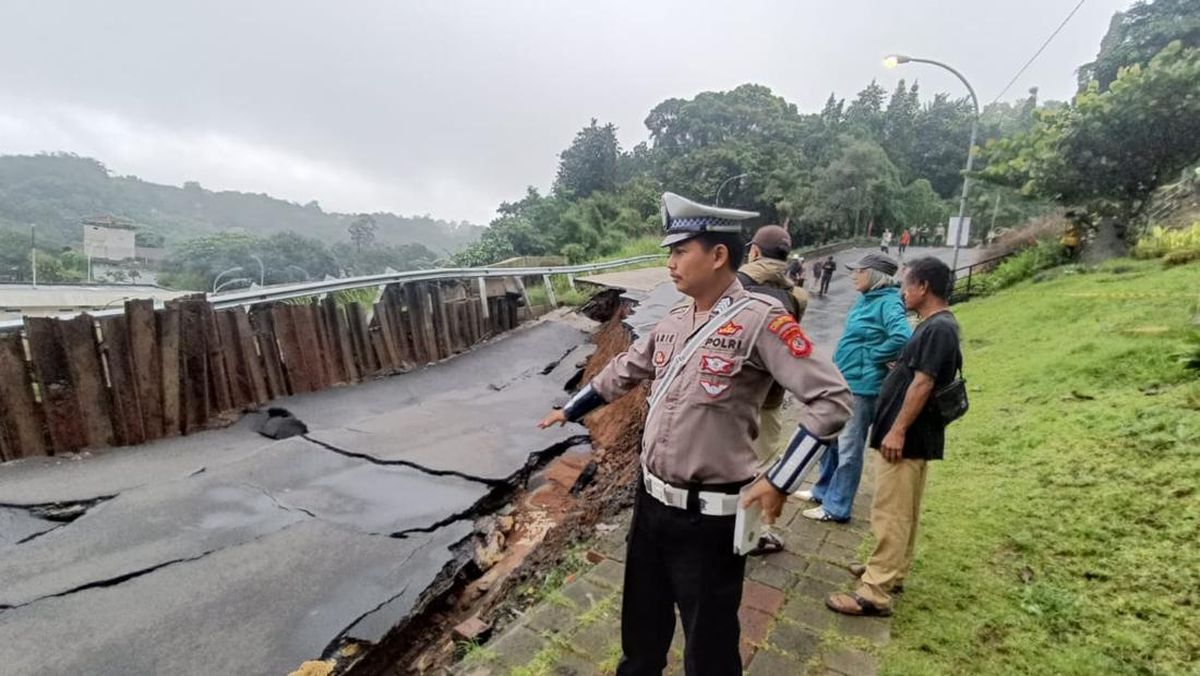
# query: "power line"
[1039,51]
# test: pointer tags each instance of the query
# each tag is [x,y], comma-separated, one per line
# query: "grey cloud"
[450,107]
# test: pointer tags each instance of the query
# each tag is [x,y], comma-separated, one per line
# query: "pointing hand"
[555,416]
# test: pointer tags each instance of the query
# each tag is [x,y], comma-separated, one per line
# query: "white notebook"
[747,527]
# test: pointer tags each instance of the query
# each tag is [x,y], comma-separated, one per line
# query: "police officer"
[712,360]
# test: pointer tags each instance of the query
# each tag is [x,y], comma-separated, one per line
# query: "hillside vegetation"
[57,191]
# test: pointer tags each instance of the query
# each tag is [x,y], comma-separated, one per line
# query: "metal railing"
[246,298]
[960,294]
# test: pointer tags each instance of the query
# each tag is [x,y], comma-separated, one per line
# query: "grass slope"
[1062,533]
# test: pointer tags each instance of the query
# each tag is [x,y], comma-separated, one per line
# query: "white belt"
[711,503]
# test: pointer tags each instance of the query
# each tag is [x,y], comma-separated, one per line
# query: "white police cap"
[683,219]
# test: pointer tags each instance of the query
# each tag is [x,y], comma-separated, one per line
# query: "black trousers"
[825,284]
[684,559]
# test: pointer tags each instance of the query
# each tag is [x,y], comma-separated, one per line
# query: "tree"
[362,231]
[854,189]
[376,259]
[865,114]
[900,127]
[943,130]
[148,239]
[918,205]
[195,263]
[747,114]
[1136,35]
[1108,150]
[589,164]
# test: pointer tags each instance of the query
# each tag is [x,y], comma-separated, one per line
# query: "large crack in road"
[254,555]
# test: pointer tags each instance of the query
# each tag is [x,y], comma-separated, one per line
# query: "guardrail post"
[549,291]
[483,304]
[571,281]
[524,294]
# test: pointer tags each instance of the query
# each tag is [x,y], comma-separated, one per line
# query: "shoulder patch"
[791,335]
[779,322]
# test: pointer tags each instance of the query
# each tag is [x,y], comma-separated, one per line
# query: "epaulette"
[765,299]
[681,306]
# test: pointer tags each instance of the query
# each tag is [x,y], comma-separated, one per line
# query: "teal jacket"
[876,329]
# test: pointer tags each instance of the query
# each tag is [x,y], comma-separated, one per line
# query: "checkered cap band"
[700,224]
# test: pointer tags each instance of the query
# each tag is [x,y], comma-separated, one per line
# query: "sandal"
[859,569]
[768,543]
[853,604]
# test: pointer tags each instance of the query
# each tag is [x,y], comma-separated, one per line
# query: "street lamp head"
[893,60]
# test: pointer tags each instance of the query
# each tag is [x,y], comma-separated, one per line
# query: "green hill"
[56,191]
[1059,535]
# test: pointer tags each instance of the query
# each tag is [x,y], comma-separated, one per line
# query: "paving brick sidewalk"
[786,628]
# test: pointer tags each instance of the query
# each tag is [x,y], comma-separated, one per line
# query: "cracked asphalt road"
[226,552]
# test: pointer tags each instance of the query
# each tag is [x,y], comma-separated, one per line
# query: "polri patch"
[660,358]
[732,344]
[713,389]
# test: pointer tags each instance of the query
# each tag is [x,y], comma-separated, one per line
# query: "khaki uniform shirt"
[704,428]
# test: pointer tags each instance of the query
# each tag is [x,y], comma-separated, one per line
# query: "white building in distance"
[107,238]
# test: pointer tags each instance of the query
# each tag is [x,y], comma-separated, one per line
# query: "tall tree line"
[856,167]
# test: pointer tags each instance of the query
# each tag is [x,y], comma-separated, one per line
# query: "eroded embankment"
[522,544]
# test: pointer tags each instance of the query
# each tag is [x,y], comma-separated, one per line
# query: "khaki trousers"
[895,511]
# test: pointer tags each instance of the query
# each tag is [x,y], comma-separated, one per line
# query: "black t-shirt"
[932,350]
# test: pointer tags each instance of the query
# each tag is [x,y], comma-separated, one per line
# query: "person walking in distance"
[909,432]
[816,269]
[827,269]
[905,240]
[876,330]
[885,242]
[711,361]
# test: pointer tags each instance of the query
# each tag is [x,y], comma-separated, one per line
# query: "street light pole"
[302,271]
[235,280]
[722,186]
[237,268]
[262,271]
[897,59]
[33,252]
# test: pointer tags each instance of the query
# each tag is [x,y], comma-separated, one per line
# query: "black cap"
[875,261]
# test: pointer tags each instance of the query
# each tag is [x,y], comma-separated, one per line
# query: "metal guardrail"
[278,293]
[313,288]
[961,294]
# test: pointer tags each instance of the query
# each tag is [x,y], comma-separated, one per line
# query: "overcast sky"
[448,107]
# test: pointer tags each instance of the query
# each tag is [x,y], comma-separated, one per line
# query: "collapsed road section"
[228,552]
